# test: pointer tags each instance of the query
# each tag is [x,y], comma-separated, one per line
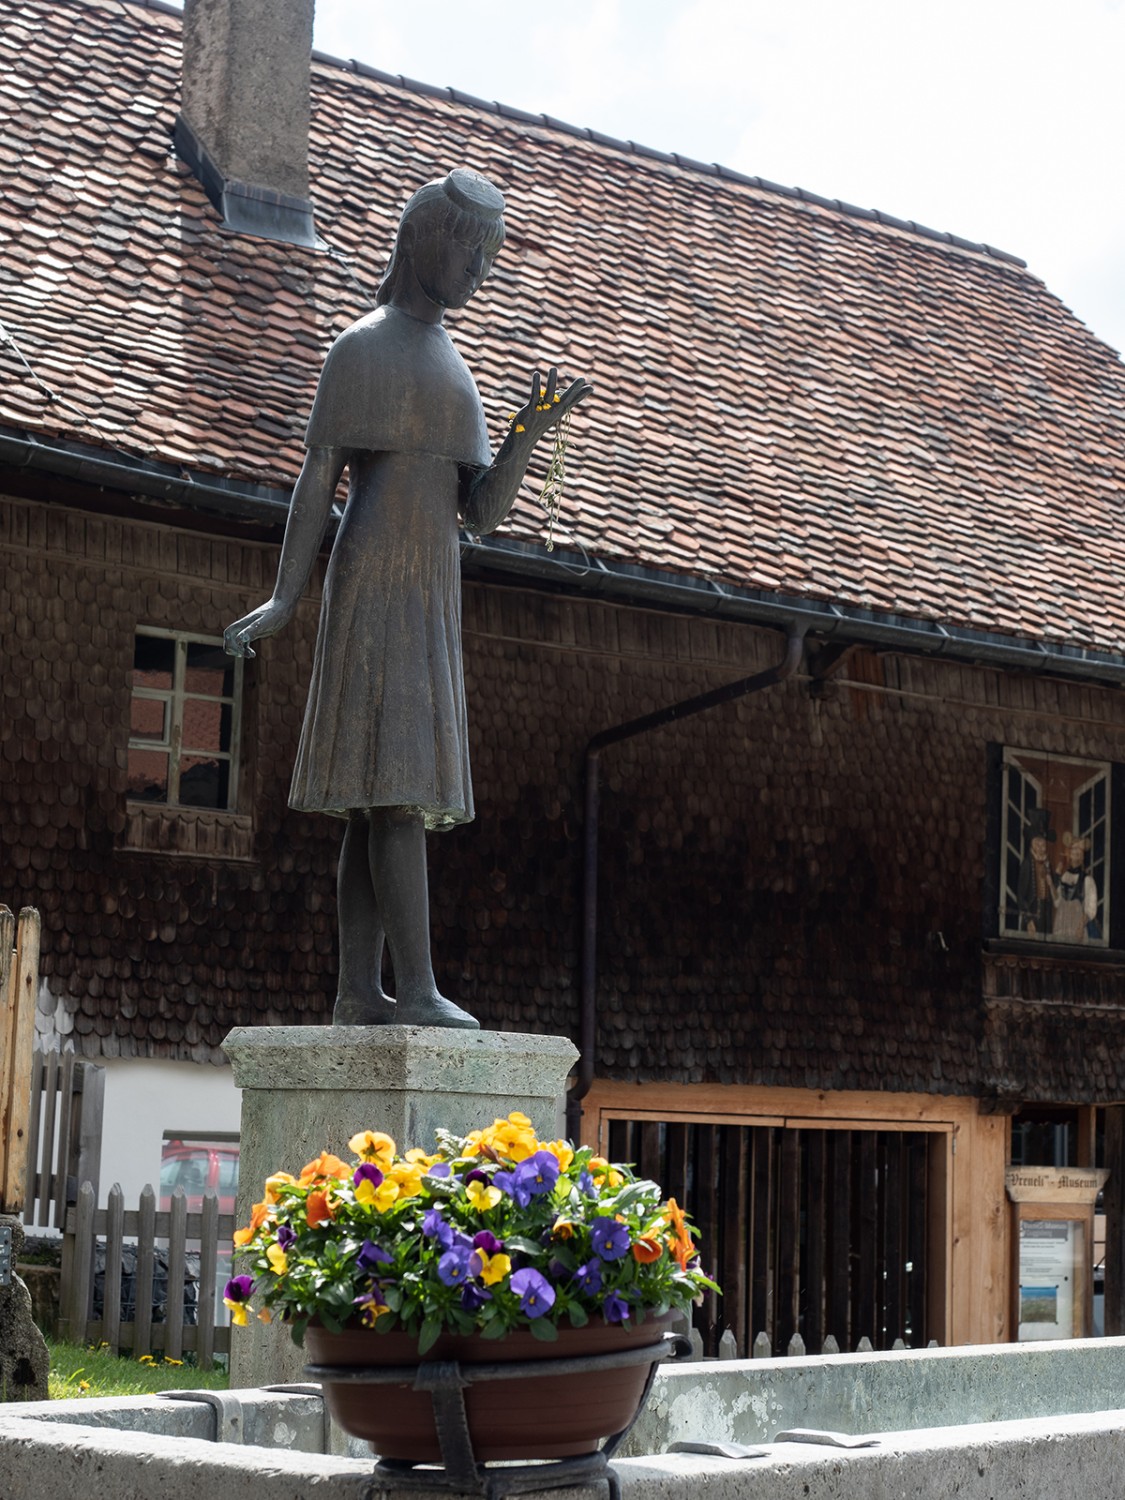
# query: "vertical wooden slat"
[732,1262]
[707,1212]
[77,1310]
[677,1155]
[893,1256]
[114,1241]
[838,1299]
[7,1030]
[788,1238]
[866,1237]
[761,1302]
[85,1128]
[916,1248]
[14,1126]
[146,1243]
[53,1204]
[813,1270]
[208,1256]
[37,1188]
[177,1238]
[648,1156]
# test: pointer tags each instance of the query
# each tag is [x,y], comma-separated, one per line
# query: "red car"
[197,1167]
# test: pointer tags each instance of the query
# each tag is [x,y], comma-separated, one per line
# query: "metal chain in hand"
[550,496]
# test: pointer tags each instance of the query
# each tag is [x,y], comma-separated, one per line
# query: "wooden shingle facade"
[813,900]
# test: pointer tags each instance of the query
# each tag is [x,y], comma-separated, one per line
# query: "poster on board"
[1051,1254]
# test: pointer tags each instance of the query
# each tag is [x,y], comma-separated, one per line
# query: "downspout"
[587,1022]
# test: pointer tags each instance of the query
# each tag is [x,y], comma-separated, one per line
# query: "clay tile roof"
[794,395]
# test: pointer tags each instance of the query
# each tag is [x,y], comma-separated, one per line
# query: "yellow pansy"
[562,1151]
[237,1312]
[493,1267]
[483,1196]
[373,1146]
[279,1261]
[408,1176]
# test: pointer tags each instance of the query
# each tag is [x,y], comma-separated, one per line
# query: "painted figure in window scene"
[384,744]
[1036,893]
[1076,894]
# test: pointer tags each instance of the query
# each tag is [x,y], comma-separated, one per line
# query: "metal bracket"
[5,1255]
[226,1406]
[825,1439]
[718,1450]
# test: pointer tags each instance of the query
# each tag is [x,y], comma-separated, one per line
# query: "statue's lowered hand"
[267,619]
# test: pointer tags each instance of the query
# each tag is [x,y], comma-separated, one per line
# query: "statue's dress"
[385,722]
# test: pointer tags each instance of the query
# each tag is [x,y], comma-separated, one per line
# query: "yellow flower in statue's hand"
[279,1261]
[520,427]
[493,1268]
[483,1196]
[373,1146]
[237,1313]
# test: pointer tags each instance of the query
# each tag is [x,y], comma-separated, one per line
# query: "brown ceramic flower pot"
[545,1416]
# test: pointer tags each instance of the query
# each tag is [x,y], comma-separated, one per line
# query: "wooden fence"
[19,983]
[65,1135]
[163,1331]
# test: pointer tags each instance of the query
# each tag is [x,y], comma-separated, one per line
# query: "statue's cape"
[393,384]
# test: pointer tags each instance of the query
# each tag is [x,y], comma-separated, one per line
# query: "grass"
[83,1370]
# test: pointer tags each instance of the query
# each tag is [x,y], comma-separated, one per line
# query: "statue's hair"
[462,205]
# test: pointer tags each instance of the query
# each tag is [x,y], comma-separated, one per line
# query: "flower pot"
[547,1416]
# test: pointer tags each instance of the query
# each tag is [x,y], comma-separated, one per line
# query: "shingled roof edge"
[624,582]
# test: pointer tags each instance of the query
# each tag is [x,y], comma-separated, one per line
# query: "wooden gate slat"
[812,1276]
[146,1252]
[208,1256]
[111,1284]
[174,1312]
[788,1240]
[838,1318]
[864,1186]
[761,1221]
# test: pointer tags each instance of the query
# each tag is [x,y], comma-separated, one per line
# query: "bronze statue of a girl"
[384,742]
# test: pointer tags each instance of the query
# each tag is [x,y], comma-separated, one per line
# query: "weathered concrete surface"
[269,1419]
[306,1089]
[40,1462]
[749,1401]
[1039,1460]
[24,1360]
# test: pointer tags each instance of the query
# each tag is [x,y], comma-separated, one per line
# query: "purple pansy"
[454,1268]
[434,1227]
[609,1238]
[589,1277]
[439,1169]
[474,1297]
[586,1183]
[509,1182]
[487,1242]
[538,1173]
[476,1175]
[285,1236]
[372,1256]
[367,1172]
[535,1292]
[239,1289]
[615,1308]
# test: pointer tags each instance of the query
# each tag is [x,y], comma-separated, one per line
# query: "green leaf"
[518,1242]
[578,1315]
[297,1331]
[543,1330]
[431,1328]
[392,1296]
[493,1330]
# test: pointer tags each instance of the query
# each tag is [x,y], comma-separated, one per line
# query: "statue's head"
[462,210]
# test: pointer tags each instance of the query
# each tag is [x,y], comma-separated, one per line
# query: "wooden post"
[17,1038]
[1115,1221]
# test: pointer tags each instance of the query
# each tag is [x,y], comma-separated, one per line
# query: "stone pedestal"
[307,1089]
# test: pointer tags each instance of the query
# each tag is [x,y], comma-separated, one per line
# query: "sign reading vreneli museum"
[1054,1184]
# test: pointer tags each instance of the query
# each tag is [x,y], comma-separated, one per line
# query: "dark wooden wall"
[791,885]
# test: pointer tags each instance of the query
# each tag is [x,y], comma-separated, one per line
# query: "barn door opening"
[811,1230]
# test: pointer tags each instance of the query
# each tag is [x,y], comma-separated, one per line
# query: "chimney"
[243,126]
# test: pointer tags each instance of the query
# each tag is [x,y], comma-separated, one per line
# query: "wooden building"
[857,942]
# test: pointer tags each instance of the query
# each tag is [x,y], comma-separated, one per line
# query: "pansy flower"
[609,1237]
[434,1227]
[615,1308]
[483,1196]
[490,1268]
[454,1267]
[371,1256]
[538,1173]
[375,1147]
[589,1277]
[536,1294]
[236,1294]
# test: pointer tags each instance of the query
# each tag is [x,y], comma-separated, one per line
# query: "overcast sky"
[1001,120]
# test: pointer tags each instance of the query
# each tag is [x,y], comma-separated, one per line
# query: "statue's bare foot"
[432,1009]
[353,1009]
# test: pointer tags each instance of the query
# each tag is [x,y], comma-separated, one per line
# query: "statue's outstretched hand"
[267,619]
[545,405]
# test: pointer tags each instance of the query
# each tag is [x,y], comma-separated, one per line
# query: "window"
[1055,863]
[184,722]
